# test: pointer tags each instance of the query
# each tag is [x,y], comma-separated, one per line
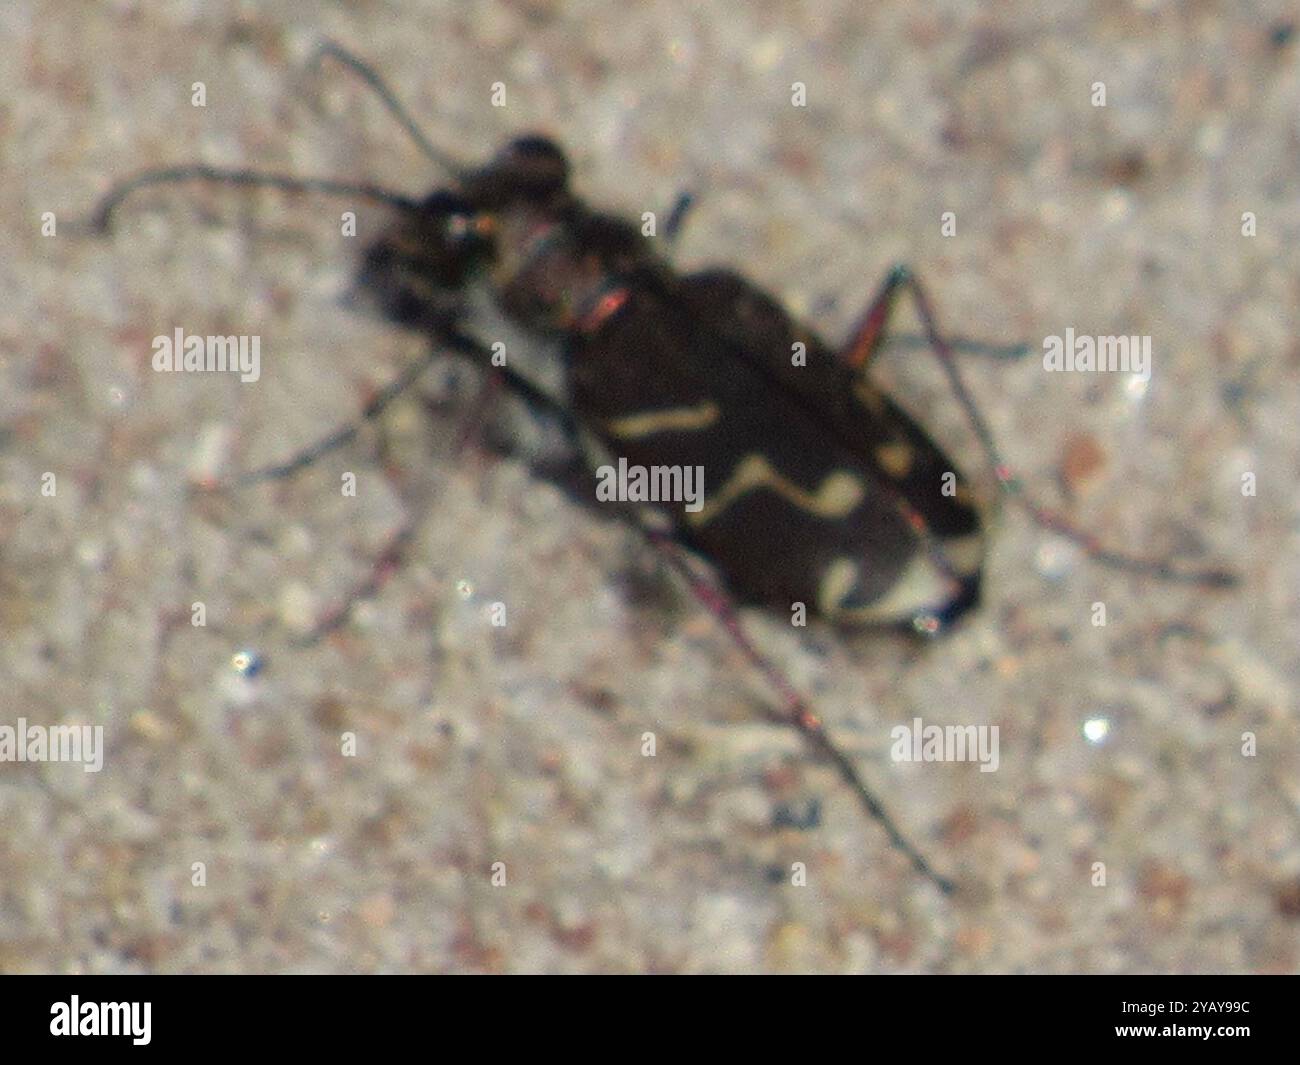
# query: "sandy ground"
[523,744]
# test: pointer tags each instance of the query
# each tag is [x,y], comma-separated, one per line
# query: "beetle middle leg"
[389,559]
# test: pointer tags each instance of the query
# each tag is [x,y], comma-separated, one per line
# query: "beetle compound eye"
[536,162]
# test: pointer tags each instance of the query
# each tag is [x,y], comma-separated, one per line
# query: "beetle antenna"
[367,73]
[102,219]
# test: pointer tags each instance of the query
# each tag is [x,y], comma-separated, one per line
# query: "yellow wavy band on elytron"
[836,497]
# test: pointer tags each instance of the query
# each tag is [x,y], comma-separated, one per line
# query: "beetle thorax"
[545,279]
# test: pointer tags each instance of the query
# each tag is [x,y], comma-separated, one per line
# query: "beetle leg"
[796,711]
[866,341]
[681,209]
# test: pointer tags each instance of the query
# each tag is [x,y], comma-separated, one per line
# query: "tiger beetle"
[824,492]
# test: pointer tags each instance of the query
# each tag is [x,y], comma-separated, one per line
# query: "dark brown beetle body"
[819,489]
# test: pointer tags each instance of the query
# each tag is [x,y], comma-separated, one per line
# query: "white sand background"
[522,744]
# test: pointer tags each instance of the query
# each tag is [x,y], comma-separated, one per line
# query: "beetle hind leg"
[866,341]
[796,710]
